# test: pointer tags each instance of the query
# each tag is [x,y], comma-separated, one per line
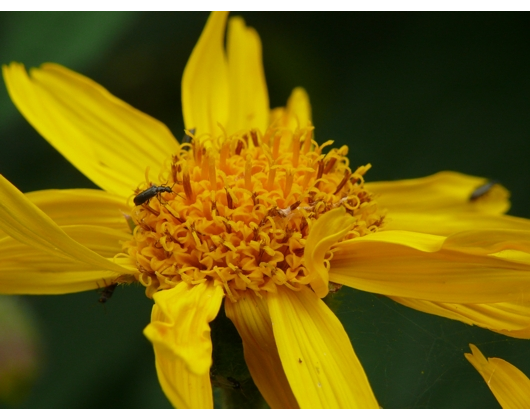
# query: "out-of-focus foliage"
[20,350]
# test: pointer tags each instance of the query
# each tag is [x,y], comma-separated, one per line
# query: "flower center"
[238,210]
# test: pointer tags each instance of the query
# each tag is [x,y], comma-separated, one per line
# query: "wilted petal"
[180,333]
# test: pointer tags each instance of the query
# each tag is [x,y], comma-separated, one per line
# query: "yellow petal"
[509,385]
[25,222]
[299,107]
[440,223]
[508,318]
[251,317]
[180,333]
[28,270]
[108,140]
[443,192]
[327,230]
[249,100]
[205,93]
[489,241]
[297,113]
[418,268]
[316,353]
[82,207]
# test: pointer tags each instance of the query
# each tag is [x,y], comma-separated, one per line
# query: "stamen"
[288,184]
[296,148]
[307,140]
[276,145]
[229,201]
[329,165]
[343,182]
[225,152]
[268,135]
[211,172]
[272,176]
[254,136]
[150,209]
[187,184]
[239,147]
[248,173]
[307,176]
[295,205]
[320,169]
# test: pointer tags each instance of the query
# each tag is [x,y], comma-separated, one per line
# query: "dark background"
[411,93]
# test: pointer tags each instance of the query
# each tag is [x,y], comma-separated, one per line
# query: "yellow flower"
[510,386]
[252,210]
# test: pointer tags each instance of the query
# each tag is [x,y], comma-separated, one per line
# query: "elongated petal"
[205,93]
[250,315]
[299,107]
[444,191]
[508,318]
[510,386]
[82,207]
[28,270]
[180,333]
[249,100]
[297,113]
[316,353]
[108,140]
[328,229]
[417,267]
[25,222]
[439,223]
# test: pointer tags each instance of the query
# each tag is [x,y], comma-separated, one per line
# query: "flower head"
[251,211]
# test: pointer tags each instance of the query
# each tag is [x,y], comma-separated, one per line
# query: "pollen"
[241,208]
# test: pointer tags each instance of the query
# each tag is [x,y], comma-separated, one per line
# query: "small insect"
[106,293]
[149,193]
[482,190]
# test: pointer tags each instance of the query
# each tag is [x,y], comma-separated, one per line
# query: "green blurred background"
[411,93]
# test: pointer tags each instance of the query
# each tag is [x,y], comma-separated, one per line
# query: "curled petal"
[327,230]
[180,333]
[510,386]
[316,353]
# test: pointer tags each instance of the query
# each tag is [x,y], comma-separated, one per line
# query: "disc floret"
[241,208]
